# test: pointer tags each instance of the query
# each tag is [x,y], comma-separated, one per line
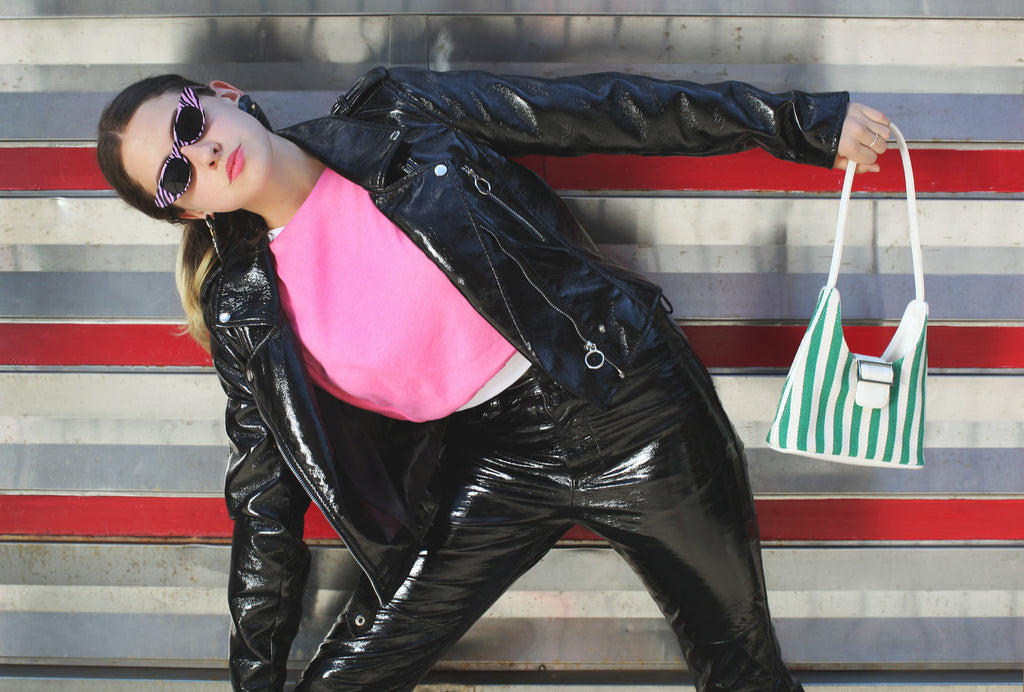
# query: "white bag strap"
[915,235]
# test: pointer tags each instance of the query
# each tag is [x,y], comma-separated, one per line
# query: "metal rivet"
[360,621]
[440,170]
[395,135]
[248,375]
[601,328]
[224,316]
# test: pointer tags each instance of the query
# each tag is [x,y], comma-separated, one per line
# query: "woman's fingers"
[862,140]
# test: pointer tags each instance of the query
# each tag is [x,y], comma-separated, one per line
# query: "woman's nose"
[202,154]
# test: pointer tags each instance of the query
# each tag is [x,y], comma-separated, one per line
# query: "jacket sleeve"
[269,560]
[624,114]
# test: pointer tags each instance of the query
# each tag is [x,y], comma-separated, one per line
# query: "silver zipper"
[483,186]
[593,357]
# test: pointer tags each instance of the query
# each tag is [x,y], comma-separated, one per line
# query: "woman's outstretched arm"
[616,113]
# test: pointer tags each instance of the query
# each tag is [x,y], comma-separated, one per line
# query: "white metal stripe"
[566,604]
[184,430]
[865,42]
[983,411]
[716,222]
[79,221]
[112,395]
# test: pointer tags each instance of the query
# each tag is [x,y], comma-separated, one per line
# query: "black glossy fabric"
[422,143]
[660,474]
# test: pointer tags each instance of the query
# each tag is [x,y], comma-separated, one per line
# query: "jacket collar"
[243,291]
[359,150]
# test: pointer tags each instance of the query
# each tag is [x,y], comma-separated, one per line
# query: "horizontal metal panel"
[99,295]
[661,257]
[744,8]
[18,429]
[724,347]
[172,467]
[87,258]
[176,467]
[965,470]
[197,397]
[633,219]
[308,53]
[162,433]
[831,607]
[254,40]
[97,680]
[718,296]
[194,397]
[57,220]
[957,117]
[481,40]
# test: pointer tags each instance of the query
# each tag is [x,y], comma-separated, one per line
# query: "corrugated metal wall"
[113,556]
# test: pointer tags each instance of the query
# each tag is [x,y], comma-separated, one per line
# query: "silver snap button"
[601,328]
[249,375]
[224,316]
[440,170]
[360,620]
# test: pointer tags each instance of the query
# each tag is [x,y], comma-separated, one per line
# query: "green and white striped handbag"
[845,407]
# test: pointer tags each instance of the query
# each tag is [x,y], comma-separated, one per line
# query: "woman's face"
[230,162]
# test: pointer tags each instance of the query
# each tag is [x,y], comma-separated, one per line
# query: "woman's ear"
[225,90]
[191,215]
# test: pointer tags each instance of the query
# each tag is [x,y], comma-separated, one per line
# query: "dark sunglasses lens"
[188,126]
[177,175]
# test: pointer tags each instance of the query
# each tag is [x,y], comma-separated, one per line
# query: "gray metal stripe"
[935,118]
[138,469]
[663,257]
[792,297]
[139,295]
[964,470]
[199,471]
[149,295]
[141,639]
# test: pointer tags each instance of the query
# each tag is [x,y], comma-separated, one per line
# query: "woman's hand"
[863,138]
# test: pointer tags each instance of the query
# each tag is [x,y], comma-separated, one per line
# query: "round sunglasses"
[189,127]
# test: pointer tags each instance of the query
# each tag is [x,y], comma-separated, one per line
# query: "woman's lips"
[235,163]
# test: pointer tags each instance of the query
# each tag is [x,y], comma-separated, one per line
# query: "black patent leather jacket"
[433,151]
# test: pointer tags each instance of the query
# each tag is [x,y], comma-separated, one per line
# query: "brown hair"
[197,255]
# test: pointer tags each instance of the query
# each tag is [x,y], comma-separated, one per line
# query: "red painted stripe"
[50,168]
[790,520]
[937,170]
[763,346]
[719,346]
[28,343]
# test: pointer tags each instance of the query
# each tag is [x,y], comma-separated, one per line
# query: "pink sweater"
[380,326]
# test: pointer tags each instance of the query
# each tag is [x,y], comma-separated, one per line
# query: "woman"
[428,346]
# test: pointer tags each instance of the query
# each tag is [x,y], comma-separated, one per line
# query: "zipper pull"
[483,186]
[593,358]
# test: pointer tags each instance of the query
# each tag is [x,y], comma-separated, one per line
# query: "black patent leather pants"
[660,475]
